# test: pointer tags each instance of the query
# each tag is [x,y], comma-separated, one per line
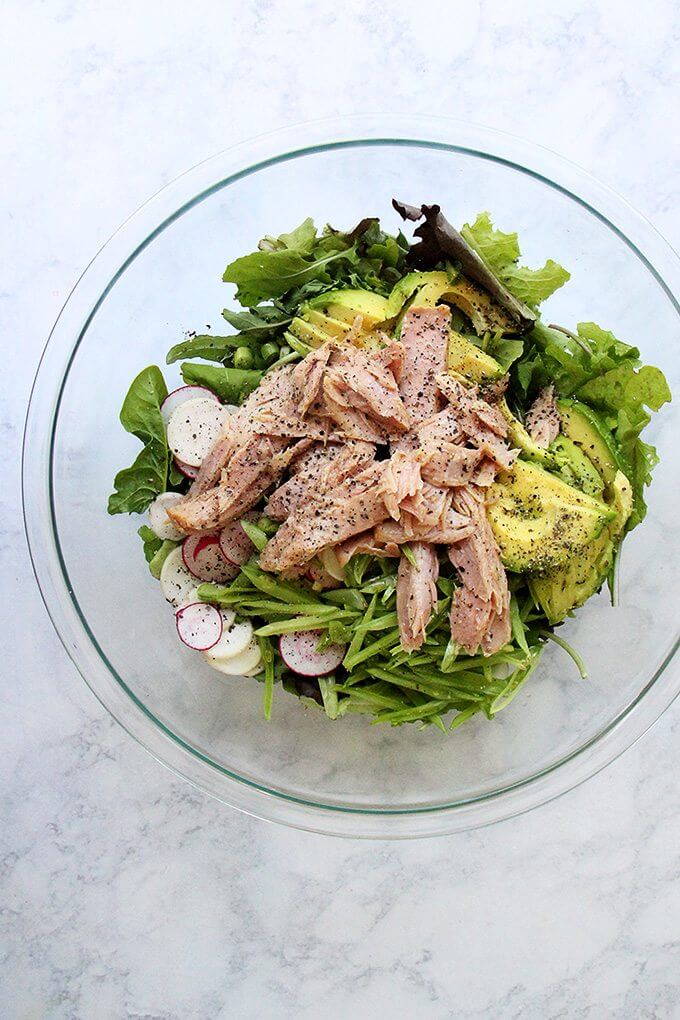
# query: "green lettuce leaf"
[136,486]
[534,285]
[497,249]
[501,252]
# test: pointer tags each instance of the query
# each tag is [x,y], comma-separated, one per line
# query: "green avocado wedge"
[560,591]
[583,427]
[539,521]
[345,305]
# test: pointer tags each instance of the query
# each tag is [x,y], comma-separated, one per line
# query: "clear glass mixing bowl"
[161,275]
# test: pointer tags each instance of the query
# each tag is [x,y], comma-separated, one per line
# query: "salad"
[386,488]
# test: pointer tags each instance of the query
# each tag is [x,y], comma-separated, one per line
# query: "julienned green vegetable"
[305,287]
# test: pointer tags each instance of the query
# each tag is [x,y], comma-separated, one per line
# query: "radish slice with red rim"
[199,626]
[187,469]
[193,428]
[299,652]
[235,545]
[203,558]
[181,395]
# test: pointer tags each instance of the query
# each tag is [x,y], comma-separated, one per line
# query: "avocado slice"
[311,335]
[539,521]
[559,591]
[568,459]
[345,305]
[407,287]
[428,289]
[465,358]
[520,438]
[331,327]
[485,315]
[583,426]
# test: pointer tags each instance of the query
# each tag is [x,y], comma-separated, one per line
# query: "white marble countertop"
[123,892]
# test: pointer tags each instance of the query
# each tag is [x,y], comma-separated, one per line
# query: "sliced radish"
[181,395]
[159,522]
[193,428]
[187,469]
[199,626]
[235,639]
[330,561]
[203,558]
[255,670]
[228,617]
[246,663]
[177,583]
[235,545]
[298,651]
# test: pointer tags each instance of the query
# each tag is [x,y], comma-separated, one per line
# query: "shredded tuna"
[543,419]
[248,475]
[323,468]
[416,593]
[480,609]
[425,336]
[327,519]
[360,394]
[308,378]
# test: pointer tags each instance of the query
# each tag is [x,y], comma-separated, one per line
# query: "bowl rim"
[49,568]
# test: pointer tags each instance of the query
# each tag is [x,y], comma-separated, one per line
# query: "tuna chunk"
[481,424]
[543,420]
[308,378]
[385,538]
[361,396]
[251,469]
[416,594]
[320,469]
[425,336]
[326,519]
[480,610]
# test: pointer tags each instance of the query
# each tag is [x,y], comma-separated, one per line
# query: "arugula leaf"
[230,384]
[265,275]
[294,267]
[206,346]
[138,485]
[258,322]
[501,252]
[301,239]
[505,351]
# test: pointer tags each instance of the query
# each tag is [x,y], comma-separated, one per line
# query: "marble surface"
[125,893]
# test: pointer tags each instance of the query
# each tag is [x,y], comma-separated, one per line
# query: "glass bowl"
[160,275]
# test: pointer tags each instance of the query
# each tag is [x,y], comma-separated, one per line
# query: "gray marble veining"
[123,892]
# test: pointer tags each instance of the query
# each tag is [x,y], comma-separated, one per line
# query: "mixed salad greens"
[332,636]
